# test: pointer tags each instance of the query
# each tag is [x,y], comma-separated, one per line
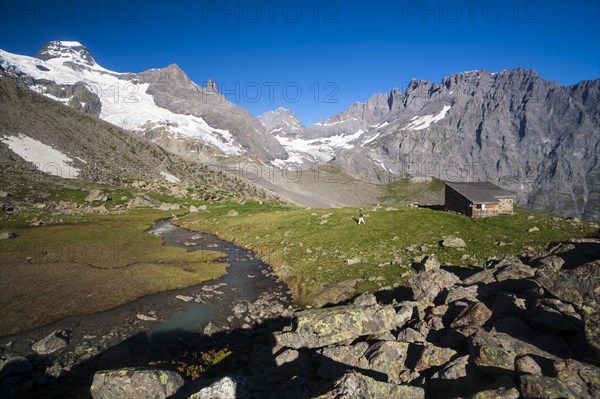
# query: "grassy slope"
[90,264]
[309,255]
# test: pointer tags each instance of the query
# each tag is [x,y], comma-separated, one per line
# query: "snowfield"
[423,122]
[124,103]
[303,151]
[42,156]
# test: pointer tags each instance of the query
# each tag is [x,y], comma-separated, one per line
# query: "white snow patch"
[170,178]
[372,138]
[44,157]
[333,123]
[423,122]
[70,43]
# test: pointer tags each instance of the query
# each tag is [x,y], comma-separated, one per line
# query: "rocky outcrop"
[322,327]
[135,384]
[530,135]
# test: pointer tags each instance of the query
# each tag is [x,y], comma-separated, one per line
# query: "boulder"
[365,299]
[541,387]
[97,195]
[317,328]
[427,285]
[528,365]
[233,212]
[234,387]
[453,242]
[476,314]
[53,342]
[193,209]
[571,286]
[388,357]
[503,388]
[411,336]
[496,352]
[580,287]
[404,314]
[336,292]
[169,207]
[351,355]
[455,369]
[431,356]
[16,365]
[142,201]
[354,385]
[135,383]
[430,262]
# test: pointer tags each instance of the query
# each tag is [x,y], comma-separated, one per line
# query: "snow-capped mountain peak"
[282,122]
[70,50]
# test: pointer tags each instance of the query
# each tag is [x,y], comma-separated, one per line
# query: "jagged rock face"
[529,135]
[360,116]
[172,89]
[282,122]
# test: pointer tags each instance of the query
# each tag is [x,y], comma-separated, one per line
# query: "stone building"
[478,199]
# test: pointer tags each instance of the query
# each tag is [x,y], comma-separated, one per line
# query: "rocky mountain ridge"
[532,136]
[164,105]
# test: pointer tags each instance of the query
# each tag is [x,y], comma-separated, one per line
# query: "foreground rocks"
[135,384]
[512,330]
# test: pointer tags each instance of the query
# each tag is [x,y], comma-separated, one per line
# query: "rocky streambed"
[59,360]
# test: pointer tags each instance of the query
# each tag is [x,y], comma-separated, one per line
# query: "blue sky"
[316,57]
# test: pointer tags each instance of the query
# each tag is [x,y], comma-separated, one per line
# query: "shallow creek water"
[246,279]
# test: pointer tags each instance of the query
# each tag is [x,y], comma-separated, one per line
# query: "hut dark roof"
[480,192]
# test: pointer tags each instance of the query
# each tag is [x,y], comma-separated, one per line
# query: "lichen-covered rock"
[432,356]
[388,357]
[234,387]
[455,369]
[495,353]
[430,262]
[571,285]
[535,386]
[351,355]
[353,385]
[503,388]
[580,287]
[135,383]
[317,328]
[427,285]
